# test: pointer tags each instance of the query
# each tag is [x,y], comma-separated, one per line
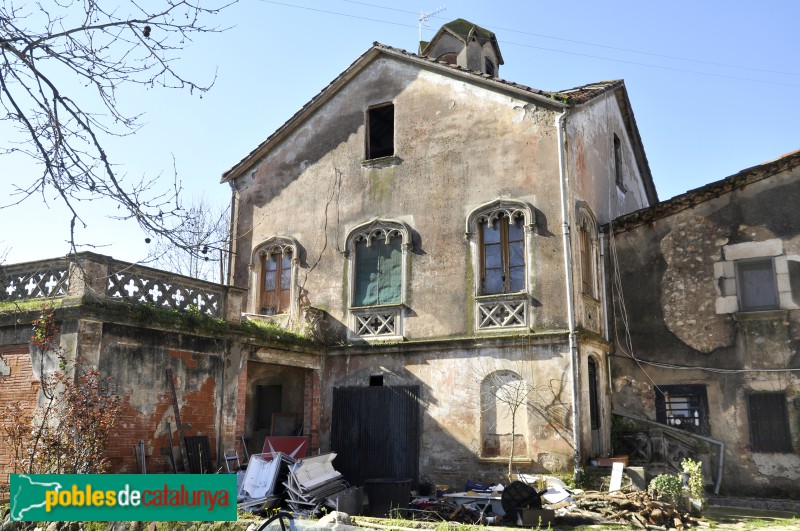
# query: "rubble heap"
[636,509]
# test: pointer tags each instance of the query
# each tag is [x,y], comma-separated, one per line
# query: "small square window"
[757,287]
[380,131]
[769,423]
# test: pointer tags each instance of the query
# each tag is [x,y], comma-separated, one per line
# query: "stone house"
[706,290]
[435,267]
[439,226]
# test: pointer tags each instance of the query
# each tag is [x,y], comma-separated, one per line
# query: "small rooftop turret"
[465,44]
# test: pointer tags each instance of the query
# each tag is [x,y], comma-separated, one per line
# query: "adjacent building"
[707,313]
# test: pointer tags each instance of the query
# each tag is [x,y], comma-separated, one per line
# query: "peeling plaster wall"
[19,385]
[137,361]
[458,146]
[671,286]
[450,395]
[590,147]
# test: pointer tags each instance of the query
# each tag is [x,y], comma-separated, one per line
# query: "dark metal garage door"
[375,432]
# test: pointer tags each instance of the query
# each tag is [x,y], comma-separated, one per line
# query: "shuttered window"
[379,273]
[769,423]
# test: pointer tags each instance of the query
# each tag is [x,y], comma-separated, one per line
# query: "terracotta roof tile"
[708,192]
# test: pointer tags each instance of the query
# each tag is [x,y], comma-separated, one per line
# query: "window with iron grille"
[683,406]
[769,423]
[380,131]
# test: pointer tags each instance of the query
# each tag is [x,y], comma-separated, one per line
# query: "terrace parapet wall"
[93,277]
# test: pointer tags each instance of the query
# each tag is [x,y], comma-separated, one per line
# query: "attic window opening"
[489,66]
[376,380]
[380,131]
[449,58]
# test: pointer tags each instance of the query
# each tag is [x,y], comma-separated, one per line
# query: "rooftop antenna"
[423,19]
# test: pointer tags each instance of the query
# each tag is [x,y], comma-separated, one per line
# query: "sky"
[713,85]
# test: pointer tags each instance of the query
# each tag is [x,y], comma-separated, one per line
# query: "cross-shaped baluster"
[155,293]
[178,298]
[30,286]
[50,284]
[131,288]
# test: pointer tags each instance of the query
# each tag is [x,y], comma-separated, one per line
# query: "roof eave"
[617,88]
[707,192]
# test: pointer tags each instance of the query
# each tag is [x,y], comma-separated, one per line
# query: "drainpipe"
[573,339]
[606,309]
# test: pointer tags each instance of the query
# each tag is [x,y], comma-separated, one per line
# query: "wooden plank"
[177,410]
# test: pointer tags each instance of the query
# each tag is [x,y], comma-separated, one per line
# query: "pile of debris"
[306,486]
[543,501]
[636,509]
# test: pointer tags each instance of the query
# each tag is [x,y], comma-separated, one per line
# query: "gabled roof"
[708,192]
[464,30]
[570,98]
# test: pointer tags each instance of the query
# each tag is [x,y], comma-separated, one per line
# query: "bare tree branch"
[44,48]
[205,231]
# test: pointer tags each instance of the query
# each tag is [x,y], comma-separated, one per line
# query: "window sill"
[496,296]
[278,319]
[378,307]
[382,162]
[589,297]
[500,459]
[761,315]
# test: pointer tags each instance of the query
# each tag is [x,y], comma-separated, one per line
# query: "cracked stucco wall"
[674,271]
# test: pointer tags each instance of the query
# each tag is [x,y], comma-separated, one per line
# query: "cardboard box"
[535,517]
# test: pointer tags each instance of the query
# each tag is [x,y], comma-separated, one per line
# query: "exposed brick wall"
[198,412]
[131,427]
[19,386]
[312,409]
